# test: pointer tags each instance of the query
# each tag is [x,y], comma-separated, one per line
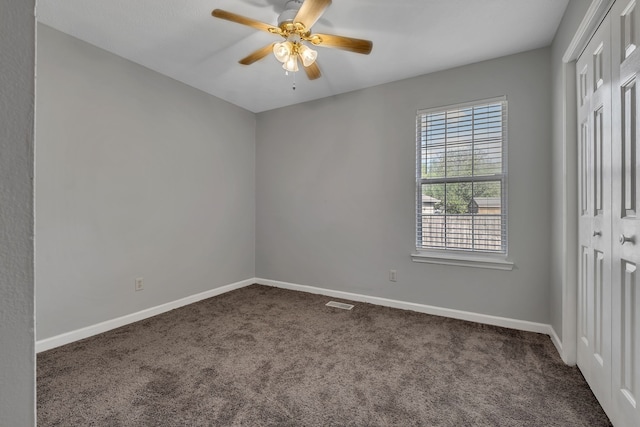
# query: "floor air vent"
[339,305]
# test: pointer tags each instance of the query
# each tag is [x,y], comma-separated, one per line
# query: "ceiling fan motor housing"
[290,11]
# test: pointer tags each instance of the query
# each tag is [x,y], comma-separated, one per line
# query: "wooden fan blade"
[223,14]
[345,43]
[257,55]
[310,12]
[313,72]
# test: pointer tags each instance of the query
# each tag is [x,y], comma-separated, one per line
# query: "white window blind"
[462,177]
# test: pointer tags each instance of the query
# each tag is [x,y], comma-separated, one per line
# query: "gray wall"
[136,175]
[335,189]
[17,358]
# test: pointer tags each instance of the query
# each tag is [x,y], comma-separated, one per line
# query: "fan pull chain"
[286,73]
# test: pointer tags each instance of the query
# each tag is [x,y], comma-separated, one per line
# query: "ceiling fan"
[294,26]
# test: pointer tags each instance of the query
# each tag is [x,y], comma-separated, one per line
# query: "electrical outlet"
[139,284]
[392,276]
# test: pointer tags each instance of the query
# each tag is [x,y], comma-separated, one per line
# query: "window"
[462,178]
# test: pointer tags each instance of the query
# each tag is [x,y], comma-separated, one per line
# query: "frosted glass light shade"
[307,55]
[291,64]
[282,51]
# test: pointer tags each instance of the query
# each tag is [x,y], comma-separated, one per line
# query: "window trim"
[463,259]
[453,256]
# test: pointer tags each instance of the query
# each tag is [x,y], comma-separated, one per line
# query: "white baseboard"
[557,342]
[69,337]
[522,325]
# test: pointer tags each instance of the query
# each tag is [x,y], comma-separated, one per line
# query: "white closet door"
[624,18]
[594,299]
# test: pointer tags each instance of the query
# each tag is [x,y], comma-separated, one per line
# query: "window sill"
[497,262]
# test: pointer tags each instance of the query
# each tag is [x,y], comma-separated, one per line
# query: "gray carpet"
[265,356]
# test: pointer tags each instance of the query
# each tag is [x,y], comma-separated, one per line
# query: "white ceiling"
[410,37]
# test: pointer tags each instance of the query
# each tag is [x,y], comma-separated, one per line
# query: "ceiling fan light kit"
[288,53]
[294,26]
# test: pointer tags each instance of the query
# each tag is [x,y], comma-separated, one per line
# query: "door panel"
[585,222]
[595,233]
[599,309]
